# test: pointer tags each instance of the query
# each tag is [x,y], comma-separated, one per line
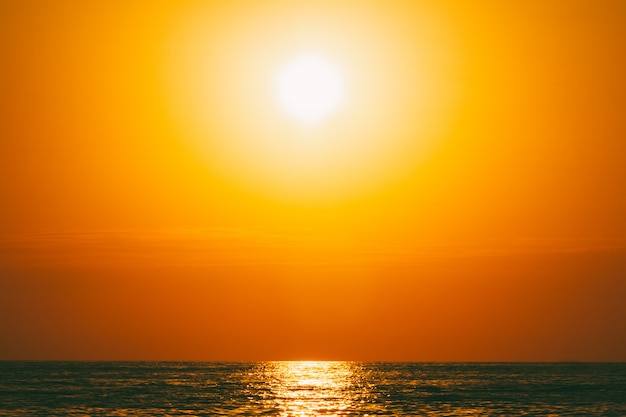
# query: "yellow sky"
[466,203]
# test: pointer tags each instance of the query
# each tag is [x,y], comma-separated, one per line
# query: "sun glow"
[310,102]
[310,88]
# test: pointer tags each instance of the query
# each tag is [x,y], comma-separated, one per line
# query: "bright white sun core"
[310,88]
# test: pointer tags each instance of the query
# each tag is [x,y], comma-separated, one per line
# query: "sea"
[30,388]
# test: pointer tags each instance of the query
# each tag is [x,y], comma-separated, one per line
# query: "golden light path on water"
[312,388]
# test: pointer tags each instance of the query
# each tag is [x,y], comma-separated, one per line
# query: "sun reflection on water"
[313,388]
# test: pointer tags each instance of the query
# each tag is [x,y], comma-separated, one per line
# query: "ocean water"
[311,389]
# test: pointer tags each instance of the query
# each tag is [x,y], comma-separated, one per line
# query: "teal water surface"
[311,389]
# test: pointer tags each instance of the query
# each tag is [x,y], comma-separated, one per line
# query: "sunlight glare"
[305,105]
[310,88]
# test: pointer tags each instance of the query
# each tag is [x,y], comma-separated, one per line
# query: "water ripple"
[310,389]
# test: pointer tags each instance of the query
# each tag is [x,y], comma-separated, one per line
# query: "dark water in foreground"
[310,389]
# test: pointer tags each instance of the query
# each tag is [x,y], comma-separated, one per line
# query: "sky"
[464,203]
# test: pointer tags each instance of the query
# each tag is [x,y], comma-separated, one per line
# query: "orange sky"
[468,204]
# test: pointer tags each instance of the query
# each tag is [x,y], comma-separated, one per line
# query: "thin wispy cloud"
[235,246]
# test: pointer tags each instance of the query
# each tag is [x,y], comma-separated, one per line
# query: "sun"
[317,102]
[310,88]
